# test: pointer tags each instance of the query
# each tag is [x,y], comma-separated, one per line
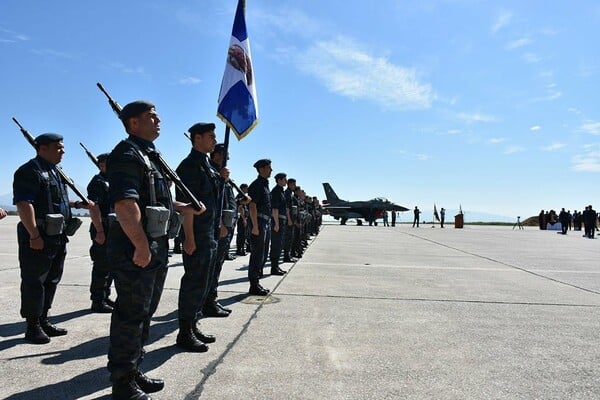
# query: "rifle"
[63,176]
[113,104]
[90,155]
[235,186]
[157,158]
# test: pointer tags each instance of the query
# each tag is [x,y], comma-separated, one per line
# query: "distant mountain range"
[6,202]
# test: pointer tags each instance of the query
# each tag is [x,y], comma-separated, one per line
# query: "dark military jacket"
[261,196]
[278,201]
[97,191]
[202,180]
[37,181]
[128,176]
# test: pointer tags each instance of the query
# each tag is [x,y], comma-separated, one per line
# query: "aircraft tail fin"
[330,194]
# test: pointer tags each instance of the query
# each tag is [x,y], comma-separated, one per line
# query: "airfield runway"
[368,313]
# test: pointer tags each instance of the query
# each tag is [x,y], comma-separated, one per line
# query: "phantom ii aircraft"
[343,210]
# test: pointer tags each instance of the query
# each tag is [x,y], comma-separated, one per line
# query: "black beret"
[201,127]
[280,175]
[46,138]
[263,162]
[134,109]
[103,157]
[219,148]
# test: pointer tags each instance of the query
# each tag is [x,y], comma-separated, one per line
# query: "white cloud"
[496,140]
[591,127]
[554,147]
[423,157]
[189,80]
[535,128]
[532,58]
[589,162]
[513,149]
[501,21]
[518,43]
[348,71]
[475,117]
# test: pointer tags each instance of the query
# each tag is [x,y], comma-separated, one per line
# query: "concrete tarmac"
[368,313]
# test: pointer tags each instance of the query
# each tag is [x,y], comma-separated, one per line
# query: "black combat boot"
[186,339]
[204,338]
[49,329]
[101,307]
[211,310]
[256,289]
[275,270]
[34,333]
[126,388]
[147,384]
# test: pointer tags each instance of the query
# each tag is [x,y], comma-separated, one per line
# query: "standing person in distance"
[260,224]
[97,191]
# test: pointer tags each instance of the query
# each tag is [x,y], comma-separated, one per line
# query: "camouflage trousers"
[101,278]
[199,271]
[41,271]
[138,294]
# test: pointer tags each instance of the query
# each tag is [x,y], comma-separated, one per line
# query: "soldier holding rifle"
[138,244]
[97,191]
[41,197]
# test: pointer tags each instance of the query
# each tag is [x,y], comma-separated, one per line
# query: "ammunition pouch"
[174,225]
[72,226]
[294,211]
[228,218]
[52,224]
[112,219]
[157,221]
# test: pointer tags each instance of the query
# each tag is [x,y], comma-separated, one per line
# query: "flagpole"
[222,181]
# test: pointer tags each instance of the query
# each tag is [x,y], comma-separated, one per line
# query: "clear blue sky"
[490,105]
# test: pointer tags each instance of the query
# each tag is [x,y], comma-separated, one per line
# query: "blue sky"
[490,105]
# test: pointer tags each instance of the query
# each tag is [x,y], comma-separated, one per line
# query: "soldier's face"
[206,142]
[52,152]
[265,171]
[146,125]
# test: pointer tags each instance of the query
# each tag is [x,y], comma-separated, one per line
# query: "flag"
[435,213]
[238,106]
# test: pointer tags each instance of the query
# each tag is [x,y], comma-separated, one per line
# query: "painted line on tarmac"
[528,271]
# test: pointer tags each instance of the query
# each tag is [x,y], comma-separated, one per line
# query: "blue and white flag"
[238,107]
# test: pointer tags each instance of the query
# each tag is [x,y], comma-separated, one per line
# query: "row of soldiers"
[133,216]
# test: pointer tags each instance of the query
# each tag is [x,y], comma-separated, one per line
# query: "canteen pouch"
[54,224]
[174,225]
[228,217]
[112,219]
[157,221]
[72,226]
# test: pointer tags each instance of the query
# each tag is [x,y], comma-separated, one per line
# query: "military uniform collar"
[44,163]
[143,143]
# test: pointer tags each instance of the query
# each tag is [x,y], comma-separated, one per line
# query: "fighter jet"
[343,210]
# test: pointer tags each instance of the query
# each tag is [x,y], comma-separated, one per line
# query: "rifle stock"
[64,177]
